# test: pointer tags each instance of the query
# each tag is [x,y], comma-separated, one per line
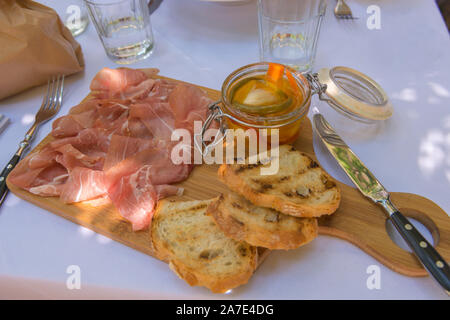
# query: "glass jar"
[288,122]
[348,91]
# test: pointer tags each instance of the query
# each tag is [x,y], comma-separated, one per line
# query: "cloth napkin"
[34,45]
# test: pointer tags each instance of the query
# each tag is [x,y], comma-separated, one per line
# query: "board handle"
[427,254]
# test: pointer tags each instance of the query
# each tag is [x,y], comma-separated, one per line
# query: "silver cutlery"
[342,10]
[50,106]
[370,187]
[153,5]
[4,121]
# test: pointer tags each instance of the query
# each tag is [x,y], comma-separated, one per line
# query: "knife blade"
[370,187]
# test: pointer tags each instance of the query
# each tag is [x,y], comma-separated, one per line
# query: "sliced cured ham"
[70,157]
[67,126]
[142,178]
[83,184]
[135,128]
[50,181]
[188,104]
[167,190]
[160,166]
[121,83]
[93,142]
[139,91]
[116,80]
[27,170]
[135,197]
[117,145]
[80,117]
[160,91]
[108,115]
[123,147]
[157,118]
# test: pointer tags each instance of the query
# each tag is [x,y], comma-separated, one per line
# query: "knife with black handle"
[370,187]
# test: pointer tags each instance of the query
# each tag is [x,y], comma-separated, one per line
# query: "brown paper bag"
[34,45]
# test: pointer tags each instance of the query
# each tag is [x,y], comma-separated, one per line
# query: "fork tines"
[342,11]
[346,17]
[53,99]
[56,88]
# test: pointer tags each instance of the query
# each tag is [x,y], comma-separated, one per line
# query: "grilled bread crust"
[300,188]
[241,220]
[196,248]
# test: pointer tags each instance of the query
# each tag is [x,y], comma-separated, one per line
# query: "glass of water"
[288,31]
[76,17]
[73,14]
[124,28]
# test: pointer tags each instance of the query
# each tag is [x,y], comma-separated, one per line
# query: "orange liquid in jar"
[269,96]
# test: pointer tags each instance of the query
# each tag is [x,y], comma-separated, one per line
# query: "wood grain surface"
[358,220]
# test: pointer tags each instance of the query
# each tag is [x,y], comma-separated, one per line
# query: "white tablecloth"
[202,43]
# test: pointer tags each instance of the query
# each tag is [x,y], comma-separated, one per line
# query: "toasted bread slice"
[300,188]
[263,227]
[197,250]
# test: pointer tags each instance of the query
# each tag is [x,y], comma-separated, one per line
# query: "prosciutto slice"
[117,145]
[50,181]
[71,158]
[122,83]
[83,184]
[116,80]
[93,142]
[188,104]
[167,190]
[27,170]
[157,118]
[70,125]
[123,147]
[135,197]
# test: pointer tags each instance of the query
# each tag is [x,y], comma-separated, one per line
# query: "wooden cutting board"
[357,220]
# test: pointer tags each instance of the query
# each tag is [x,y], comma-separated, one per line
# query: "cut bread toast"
[299,188]
[197,250]
[263,227]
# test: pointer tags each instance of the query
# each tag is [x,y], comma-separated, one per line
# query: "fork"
[50,106]
[4,121]
[342,10]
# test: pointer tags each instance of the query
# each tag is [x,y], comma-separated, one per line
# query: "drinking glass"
[288,31]
[76,17]
[73,14]
[123,27]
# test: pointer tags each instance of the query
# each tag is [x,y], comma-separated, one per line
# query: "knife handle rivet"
[408,226]
[1,179]
[439,264]
[423,244]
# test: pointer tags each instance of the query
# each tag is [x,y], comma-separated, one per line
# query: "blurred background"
[444,5]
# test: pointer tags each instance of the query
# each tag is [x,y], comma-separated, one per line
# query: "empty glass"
[124,28]
[288,31]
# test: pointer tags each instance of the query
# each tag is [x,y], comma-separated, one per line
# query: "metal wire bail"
[214,113]
[317,87]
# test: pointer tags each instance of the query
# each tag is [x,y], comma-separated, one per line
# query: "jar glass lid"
[352,93]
